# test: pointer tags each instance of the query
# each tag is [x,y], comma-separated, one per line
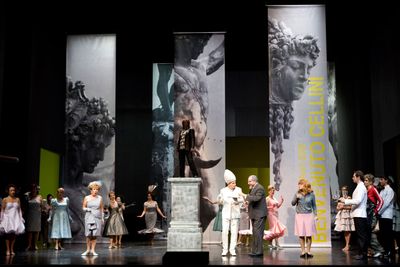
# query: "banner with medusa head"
[298,113]
[90,121]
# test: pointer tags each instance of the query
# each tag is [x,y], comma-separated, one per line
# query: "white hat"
[229,176]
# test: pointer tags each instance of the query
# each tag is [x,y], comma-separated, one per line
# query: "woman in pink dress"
[11,221]
[276,228]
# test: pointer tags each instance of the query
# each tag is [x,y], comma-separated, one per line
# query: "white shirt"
[230,209]
[387,195]
[358,201]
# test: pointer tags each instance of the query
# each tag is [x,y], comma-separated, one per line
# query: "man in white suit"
[230,197]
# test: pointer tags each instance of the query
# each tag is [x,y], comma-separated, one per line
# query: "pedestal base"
[187,258]
[184,239]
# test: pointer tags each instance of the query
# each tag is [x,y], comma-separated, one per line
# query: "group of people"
[260,207]
[12,222]
[373,212]
[240,214]
[54,214]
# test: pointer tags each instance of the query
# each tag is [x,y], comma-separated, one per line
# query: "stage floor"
[134,253]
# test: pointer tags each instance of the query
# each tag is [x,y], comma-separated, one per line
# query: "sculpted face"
[94,151]
[292,79]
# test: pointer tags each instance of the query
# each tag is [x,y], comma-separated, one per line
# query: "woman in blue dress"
[60,219]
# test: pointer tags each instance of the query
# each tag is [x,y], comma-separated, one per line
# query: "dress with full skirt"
[276,228]
[115,224]
[343,221]
[60,221]
[11,219]
[150,218]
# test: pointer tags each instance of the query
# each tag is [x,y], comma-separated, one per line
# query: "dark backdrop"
[360,41]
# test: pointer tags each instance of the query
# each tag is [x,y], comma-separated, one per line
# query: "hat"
[229,176]
[151,188]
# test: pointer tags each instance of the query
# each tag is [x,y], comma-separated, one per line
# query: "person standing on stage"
[306,216]
[343,220]
[245,230]
[11,220]
[94,217]
[33,217]
[386,217]
[374,205]
[45,228]
[230,197]
[60,219]
[115,225]
[186,148]
[121,208]
[257,214]
[150,210]
[359,213]
[276,228]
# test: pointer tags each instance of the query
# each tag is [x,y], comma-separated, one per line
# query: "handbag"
[92,226]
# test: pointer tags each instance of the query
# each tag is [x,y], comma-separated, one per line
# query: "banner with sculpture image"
[90,121]
[298,114]
[199,77]
[162,160]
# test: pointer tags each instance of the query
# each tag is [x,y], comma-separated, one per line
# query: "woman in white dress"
[11,221]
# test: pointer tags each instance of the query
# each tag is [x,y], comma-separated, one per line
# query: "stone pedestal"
[185,233]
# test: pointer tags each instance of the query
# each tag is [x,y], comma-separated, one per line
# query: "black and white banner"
[199,72]
[162,160]
[298,113]
[90,121]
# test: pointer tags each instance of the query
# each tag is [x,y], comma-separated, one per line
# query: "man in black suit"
[257,214]
[186,143]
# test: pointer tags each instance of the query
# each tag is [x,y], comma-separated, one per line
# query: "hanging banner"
[200,98]
[333,169]
[90,121]
[298,112]
[162,160]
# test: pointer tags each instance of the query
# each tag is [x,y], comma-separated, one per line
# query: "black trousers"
[188,155]
[385,235]
[258,233]
[363,231]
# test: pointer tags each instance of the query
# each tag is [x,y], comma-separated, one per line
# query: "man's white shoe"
[233,253]
[224,252]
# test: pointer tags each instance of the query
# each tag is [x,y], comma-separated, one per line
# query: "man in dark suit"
[185,147]
[257,214]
